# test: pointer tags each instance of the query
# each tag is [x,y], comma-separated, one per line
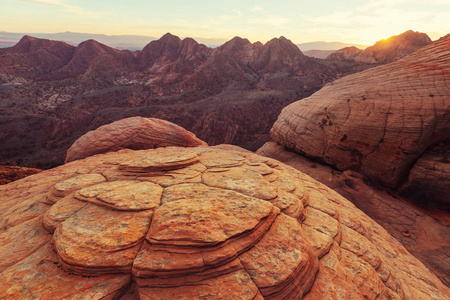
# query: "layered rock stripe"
[134,133]
[195,223]
[425,233]
[377,122]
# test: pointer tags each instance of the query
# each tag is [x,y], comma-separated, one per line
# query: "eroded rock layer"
[425,233]
[195,223]
[377,122]
[132,133]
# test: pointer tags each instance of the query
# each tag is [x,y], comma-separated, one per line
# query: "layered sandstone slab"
[196,223]
[377,122]
[131,133]
[424,232]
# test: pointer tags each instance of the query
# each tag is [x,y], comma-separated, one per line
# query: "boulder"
[132,133]
[196,223]
[377,122]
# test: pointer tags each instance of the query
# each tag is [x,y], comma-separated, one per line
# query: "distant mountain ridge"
[121,42]
[386,50]
[321,45]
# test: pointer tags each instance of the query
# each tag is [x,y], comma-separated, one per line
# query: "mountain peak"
[169,37]
[283,45]
[238,41]
[26,38]
[234,45]
[407,37]
[92,47]
[30,44]
[394,47]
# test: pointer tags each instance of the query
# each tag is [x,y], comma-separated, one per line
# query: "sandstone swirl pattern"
[377,122]
[195,223]
[132,133]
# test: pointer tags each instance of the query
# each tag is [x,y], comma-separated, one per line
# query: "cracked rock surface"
[377,122]
[195,223]
[425,233]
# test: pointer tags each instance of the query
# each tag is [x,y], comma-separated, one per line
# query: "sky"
[349,21]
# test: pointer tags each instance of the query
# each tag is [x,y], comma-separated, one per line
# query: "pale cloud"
[274,21]
[44,2]
[237,12]
[67,7]
[257,8]
[378,19]
[375,4]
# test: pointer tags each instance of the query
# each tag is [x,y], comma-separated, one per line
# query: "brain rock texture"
[195,223]
[377,122]
[132,133]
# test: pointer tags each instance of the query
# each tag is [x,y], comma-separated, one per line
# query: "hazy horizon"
[137,42]
[350,21]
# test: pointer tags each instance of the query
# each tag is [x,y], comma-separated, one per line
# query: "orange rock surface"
[196,223]
[425,233]
[377,122]
[132,133]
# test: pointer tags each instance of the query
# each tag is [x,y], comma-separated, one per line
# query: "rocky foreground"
[195,223]
[381,138]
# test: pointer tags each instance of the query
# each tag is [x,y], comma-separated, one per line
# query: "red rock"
[425,233]
[11,173]
[89,55]
[46,280]
[34,58]
[221,237]
[377,122]
[172,59]
[146,134]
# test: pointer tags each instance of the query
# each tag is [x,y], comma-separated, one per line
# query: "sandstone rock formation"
[377,122]
[132,133]
[195,223]
[424,232]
